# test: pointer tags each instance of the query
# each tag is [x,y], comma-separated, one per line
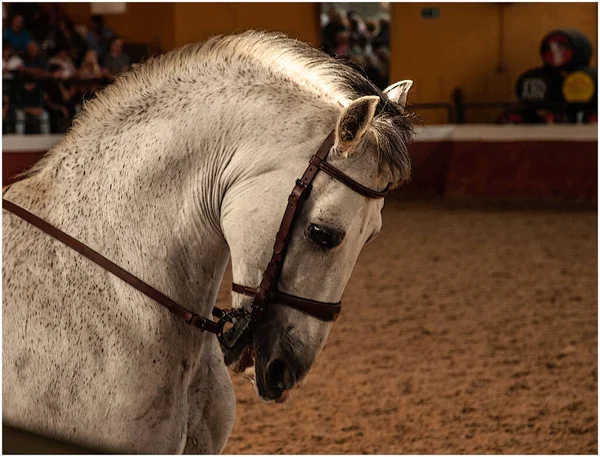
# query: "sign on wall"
[430,13]
[109,8]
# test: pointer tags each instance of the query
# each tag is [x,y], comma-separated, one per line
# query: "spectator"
[356,25]
[61,99]
[66,37]
[46,25]
[337,24]
[372,26]
[90,68]
[29,102]
[10,61]
[380,64]
[359,47]
[6,113]
[34,62]
[97,36]
[17,35]
[364,42]
[324,20]
[26,9]
[383,36]
[62,59]
[342,41]
[116,61]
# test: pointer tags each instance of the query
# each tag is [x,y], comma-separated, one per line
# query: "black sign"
[430,13]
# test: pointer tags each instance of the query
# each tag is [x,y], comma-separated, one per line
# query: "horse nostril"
[279,375]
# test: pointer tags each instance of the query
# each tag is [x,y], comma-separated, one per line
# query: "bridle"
[265,293]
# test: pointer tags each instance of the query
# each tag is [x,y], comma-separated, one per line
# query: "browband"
[347,180]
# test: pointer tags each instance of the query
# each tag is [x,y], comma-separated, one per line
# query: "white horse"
[180,164]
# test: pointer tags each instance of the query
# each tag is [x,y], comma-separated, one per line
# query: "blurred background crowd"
[49,65]
[363,40]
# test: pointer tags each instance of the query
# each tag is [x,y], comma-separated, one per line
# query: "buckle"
[306,189]
[300,183]
[230,316]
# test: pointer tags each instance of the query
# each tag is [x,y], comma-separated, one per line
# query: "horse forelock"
[250,54]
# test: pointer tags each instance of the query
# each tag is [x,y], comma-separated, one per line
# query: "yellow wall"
[149,23]
[168,25]
[527,23]
[480,47]
[198,21]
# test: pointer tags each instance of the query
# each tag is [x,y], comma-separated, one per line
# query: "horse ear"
[354,122]
[398,92]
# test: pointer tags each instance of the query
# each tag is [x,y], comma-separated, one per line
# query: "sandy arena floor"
[462,332]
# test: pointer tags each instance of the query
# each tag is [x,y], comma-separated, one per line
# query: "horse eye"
[324,237]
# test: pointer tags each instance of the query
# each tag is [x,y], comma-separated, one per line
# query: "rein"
[265,293]
[188,316]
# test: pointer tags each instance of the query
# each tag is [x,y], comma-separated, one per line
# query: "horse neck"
[148,201]
[148,194]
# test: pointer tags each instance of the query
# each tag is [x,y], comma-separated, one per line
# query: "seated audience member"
[10,61]
[29,104]
[66,37]
[372,26]
[381,65]
[97,36]
[34,62]
[116,61]
[357,26]
[337,23]
[17,35]
[61,100]
[359,47]
[324,20]
[383,36]
[90,68]
[342,41]
[6,120]
[62,59]
[26,9]
[44,23]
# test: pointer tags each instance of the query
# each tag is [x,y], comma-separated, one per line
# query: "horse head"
[329,232]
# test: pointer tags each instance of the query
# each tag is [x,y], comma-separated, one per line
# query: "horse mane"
[286,60]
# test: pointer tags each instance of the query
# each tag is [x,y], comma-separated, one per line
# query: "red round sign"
[558,51]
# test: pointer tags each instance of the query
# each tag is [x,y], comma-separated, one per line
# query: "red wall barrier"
[473,161]
[524,169]
[430,161]
[15,163]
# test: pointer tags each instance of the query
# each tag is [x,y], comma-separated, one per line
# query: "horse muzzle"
[276,379]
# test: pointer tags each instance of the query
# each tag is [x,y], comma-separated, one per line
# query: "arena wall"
[557,162]
[547,163]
